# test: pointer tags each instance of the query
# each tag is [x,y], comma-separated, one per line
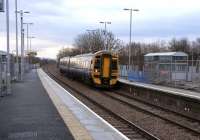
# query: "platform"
[29,114]
[169,90]
[94,125]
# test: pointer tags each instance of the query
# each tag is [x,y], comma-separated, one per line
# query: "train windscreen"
[114,64]
[97,64]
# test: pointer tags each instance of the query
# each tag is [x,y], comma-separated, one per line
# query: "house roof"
[167,54]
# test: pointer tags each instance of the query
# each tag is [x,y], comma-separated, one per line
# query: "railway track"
[183,122]
[164,126]
[131,96]
[129,129]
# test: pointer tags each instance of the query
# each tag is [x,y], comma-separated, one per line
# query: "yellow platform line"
[78,131]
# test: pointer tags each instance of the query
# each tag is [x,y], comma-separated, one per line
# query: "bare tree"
[95,41]
[67,52]
[180,45]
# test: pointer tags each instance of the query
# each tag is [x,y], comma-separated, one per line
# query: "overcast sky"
[58,22]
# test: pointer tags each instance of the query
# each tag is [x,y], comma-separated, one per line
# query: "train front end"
[105,69]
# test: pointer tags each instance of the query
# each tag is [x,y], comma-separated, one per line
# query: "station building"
[166,66]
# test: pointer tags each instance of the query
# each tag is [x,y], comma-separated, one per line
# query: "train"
[100,69]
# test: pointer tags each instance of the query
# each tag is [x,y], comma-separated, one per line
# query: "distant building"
[166,66]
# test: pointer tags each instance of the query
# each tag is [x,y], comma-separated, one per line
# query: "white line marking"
[117,131]
[153,87]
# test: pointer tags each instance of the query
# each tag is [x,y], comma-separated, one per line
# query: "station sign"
[1,5]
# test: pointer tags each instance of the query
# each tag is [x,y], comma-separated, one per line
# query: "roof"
[3,53]
[84,55]
[89,54]
[103,52]
[167,54]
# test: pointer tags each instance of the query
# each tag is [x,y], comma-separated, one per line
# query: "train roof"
[103,52]
[84,55]
[90,54]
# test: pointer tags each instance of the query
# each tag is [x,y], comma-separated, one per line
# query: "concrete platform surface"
[95,126]
[29,114]
[174,91]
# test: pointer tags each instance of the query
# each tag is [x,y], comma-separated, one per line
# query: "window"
[165,58]
[182,68]
[97,64]
[114,64]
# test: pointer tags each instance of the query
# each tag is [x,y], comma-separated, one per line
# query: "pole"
[90,42]
[22,47]
[130,35]
[129,54]
[27,38]
[30,45]
[105,34]
[27,45]
[17,55]
[8,78]
[105,45]
[23,53]
[192,64]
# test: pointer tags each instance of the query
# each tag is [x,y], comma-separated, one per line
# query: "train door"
[106,66]
[106,69]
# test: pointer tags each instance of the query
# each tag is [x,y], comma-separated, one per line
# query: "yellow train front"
[100,69]
[105,69]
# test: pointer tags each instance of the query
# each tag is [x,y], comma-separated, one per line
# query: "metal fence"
[172,71]
[132,74]
[184,74]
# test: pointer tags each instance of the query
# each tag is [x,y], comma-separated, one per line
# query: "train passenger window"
[114,64]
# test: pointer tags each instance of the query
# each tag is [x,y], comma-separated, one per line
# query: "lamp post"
[130,34]
[30,52]
[22,42]
[16,26]
[105,24]
[90,38]
[31,37]
[8,76]
[27,44]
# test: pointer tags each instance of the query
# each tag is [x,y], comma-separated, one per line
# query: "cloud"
[58,22]
[45,48]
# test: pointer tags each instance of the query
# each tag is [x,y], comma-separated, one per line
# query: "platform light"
[21,12]
[27,29]
[105,24]
[130,34]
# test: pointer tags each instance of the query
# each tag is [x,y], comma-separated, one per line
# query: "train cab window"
[114,64]
[97,64]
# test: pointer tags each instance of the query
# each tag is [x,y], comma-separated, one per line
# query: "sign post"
[1,5]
